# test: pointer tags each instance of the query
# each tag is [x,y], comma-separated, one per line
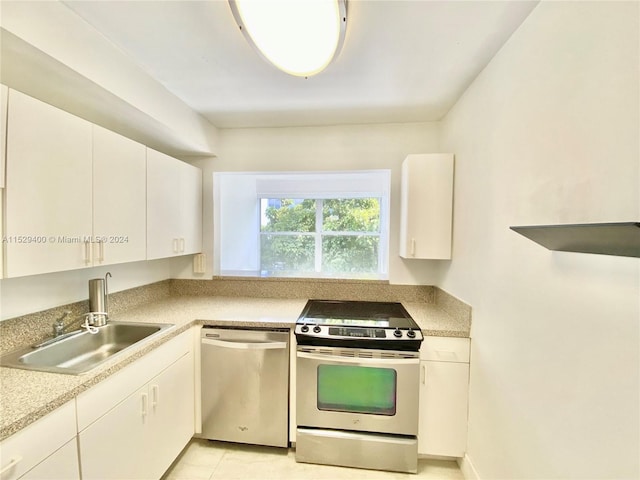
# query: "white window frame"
[292,185]
[319,233]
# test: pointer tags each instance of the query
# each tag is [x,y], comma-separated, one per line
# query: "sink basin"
[84,351]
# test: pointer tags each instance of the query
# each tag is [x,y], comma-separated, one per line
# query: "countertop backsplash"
[34,327]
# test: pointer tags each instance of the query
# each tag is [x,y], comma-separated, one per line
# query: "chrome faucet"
[59,326]
[59,329]
[97,316]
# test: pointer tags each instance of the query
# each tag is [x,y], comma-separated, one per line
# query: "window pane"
[347,388]
[351,215]
[342,254]
[286,254]
[287,215]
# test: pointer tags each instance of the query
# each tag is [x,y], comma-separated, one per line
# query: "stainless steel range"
[357,385]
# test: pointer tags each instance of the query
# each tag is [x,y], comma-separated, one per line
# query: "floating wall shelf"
[621,239]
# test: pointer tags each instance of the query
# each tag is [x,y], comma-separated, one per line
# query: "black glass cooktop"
[356,313]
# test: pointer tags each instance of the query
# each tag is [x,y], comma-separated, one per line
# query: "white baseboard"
[446,458]
[467,468]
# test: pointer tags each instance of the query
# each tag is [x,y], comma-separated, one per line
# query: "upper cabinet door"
[191,209]
[119,198]
[48,189]
[426,206]
[4,94]
[174,207]
[163,205]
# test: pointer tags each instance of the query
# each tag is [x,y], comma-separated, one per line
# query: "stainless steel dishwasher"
[245,385]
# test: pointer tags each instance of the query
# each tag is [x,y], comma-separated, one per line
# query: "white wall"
[240,240]
[549,133]
[333,148]
[19,296]
[101,83]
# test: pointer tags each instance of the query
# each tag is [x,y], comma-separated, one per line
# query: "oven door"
[361,390]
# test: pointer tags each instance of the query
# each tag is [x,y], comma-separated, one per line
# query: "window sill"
[302,279]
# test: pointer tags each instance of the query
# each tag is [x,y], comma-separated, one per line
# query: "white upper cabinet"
[119,198]
[174,207]
[48,189]
[4,94]
[191,208]
[1,233]
[76,192]
[426,206]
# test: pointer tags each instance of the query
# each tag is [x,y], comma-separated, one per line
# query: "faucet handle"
[58,325]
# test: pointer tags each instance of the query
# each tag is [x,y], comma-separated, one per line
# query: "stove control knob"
[397,333]
[411,334]
[317,329]
[304,328]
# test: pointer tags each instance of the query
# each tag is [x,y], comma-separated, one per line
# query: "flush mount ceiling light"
[300,37]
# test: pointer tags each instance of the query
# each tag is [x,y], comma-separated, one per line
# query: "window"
[337,237]
[302,224]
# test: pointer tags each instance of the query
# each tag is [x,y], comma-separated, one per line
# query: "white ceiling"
[402,60]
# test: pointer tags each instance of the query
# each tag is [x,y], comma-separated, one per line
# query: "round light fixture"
[300,37]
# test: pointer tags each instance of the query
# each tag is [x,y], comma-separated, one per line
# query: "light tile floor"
[207,460]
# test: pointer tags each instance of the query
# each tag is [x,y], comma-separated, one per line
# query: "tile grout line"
[213,472]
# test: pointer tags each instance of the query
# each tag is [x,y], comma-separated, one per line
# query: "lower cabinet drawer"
[30,446]
[445,349]
[62,465]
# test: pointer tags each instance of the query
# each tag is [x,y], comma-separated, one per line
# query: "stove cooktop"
[334,312]
[357,324]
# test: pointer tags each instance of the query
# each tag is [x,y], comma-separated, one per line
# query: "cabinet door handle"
[447,355]
[175,245]
[87,252]
[423,374]
[413,247]
[145,406]
[182,244]
[13,461]
[101,250]
[155,396]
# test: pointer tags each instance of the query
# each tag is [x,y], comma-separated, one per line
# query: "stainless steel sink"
[83,351]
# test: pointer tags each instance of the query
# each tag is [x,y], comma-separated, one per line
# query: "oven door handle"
[246,345]
[360,360]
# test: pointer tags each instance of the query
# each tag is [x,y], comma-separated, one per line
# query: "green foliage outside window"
[348,234]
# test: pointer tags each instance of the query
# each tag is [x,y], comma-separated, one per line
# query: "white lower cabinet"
[116,445]
[140,436]
[62,465]
[172,413]
[46,449]
[444,396]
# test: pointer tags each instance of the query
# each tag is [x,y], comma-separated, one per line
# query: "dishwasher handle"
[245,345]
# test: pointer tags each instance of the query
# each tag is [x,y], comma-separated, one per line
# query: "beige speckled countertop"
[29,395]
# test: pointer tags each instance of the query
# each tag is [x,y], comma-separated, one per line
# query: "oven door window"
[347,388]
